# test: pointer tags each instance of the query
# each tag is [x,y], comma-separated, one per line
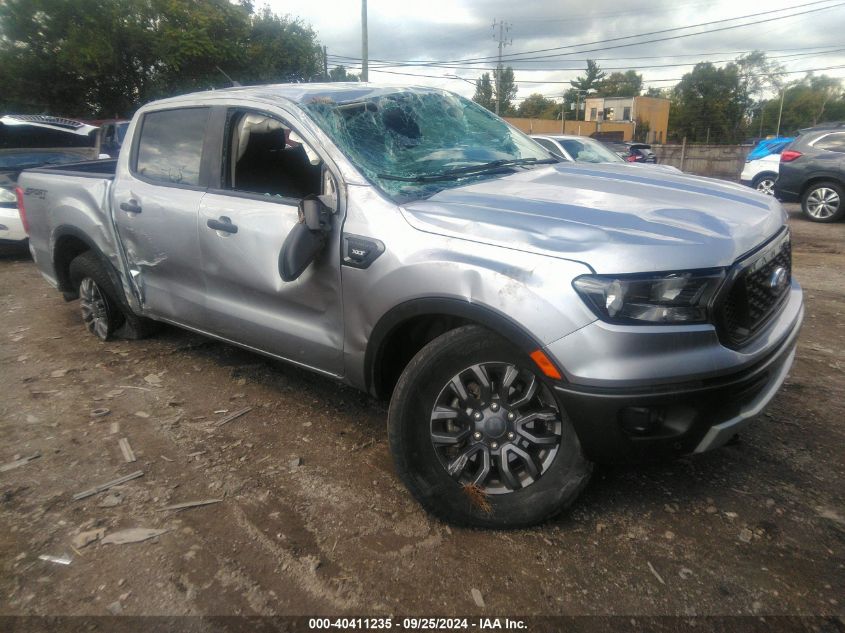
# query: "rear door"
[244,220]
[155,202]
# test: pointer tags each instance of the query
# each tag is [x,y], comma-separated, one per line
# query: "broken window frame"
[223,178]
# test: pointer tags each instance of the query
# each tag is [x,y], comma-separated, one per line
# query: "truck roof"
[304,92]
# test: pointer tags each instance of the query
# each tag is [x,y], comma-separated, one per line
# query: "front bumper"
[622,420]
[11,227]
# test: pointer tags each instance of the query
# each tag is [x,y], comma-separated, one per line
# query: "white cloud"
[437,30]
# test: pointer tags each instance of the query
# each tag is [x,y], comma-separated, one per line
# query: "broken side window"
[265,156]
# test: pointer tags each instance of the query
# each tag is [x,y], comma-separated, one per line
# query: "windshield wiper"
[458,172]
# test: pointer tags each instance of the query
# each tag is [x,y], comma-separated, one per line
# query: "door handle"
[224,224]
[130,207]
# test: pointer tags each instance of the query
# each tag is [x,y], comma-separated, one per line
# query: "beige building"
[650,114]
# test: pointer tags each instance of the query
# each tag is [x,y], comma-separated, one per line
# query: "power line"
[513,56]
[803,50]
[524,81]
[576,68]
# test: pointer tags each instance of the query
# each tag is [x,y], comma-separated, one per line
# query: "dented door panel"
[247,300]
[161,248]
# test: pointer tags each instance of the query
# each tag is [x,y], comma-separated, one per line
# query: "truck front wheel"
[479,438]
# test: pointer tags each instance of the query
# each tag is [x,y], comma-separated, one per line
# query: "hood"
[614,218]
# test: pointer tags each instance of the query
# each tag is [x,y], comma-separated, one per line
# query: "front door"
[156,200]
[242,227]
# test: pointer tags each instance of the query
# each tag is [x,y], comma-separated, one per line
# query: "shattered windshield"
[414,143]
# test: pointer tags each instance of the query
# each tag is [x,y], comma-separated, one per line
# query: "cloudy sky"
[460,33]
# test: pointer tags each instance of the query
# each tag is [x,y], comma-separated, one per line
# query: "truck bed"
[87,169]
[69,202]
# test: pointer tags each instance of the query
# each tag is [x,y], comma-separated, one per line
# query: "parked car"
[31,141]
[633,152]
[583,149]
[812,171]
[526,317]
[580,149]
[112,134]
[762,165]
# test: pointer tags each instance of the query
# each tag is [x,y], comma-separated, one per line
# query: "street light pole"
[364,42]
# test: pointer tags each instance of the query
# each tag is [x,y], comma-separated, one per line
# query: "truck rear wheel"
[101,313]
[479,438]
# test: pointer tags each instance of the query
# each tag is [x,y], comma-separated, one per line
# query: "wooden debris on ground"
[19,462]
[190,504]
[233,416]
[128,454]
[132,535]
[59,560]
[86,538]
[109,484]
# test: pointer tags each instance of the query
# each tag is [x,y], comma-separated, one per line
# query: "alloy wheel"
[822,203]
[95,308]
[767,186]
[496,426]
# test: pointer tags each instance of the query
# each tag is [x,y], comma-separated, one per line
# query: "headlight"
[651,299]
[7,197]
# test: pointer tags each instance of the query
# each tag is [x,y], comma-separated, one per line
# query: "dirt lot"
[314,521]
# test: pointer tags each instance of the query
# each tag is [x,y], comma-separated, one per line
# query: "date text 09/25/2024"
[416,624]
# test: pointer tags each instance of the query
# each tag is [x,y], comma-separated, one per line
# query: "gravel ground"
[312,519]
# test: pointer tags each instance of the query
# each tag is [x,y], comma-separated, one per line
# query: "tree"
[484,92]
[709,103]
[98,58]
[339,73]
[584,85]
[807,102]
[279,49]
[539,107]
[590,80]
[659,93]
[502,84]
[504,90]
[758,74]
[627,84]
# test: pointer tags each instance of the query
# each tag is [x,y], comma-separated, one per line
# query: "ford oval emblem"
[778,279]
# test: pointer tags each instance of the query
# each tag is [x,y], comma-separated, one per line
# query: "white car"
[583,149]
[761,174]
[763,165]
[11,227]
[34,140]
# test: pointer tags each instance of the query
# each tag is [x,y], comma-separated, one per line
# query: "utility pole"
[364,43]
[563,114]
[325,64]
[504,27]
[780,112]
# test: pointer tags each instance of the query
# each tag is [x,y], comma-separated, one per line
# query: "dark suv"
[812,171]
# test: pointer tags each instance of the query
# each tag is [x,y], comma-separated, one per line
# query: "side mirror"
[306,239]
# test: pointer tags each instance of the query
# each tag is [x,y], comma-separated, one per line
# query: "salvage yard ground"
[305,515]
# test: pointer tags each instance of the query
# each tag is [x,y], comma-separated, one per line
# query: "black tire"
[117,319]
[765,183]
[101,313]
[823,202]
[411,420]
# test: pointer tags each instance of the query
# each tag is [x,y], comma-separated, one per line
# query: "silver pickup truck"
[525,317]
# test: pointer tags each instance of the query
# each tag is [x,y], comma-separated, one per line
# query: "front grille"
[752,295]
